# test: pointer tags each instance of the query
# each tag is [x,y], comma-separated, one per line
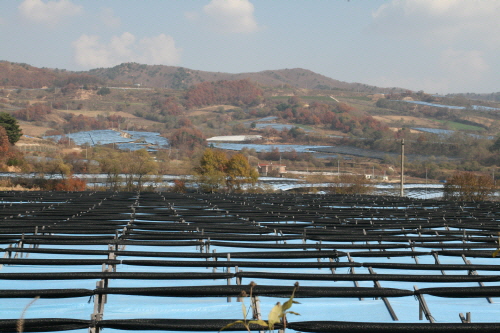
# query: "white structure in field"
[235,138]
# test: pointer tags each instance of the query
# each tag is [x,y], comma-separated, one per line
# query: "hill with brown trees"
[171,77]
[19,75]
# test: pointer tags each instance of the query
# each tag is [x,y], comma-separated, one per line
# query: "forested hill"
[182,78]
[25,76]
[18,75]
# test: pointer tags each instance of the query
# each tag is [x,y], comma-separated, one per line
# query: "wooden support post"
[354,272]
[6,254]
[413,250]
[238,282]
[205,249]
[102,300]
[436,258]
[229,279]
[383,250]
[465,320]
[423,307]
[437,234]
[21,243]
[214,258]
[43,233]
[112,256]
[116,241]
[474,272]
[9,251]
[32,245]
[98,309]
[256,309]
[19,246]
[384,299]
[331,268]
[105,283]
[124,233]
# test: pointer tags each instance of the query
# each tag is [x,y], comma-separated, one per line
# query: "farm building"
[265,169]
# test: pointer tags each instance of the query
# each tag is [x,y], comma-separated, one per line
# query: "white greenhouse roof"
[235,138]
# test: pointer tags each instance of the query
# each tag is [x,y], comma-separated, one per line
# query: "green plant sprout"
[276,315]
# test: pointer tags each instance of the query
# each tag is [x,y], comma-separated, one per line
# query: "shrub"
[351,184]
[467,186]
[179,186]
[71,184]
[104,91]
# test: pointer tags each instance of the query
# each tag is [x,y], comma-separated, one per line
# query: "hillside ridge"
[20,75]
[173,77]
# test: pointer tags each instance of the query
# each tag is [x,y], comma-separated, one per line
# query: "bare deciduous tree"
[467,186]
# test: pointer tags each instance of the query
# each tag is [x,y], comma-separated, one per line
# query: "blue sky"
[439,46]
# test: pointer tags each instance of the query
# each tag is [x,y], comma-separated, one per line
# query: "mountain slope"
[160,76]
[18,75]
[25,76]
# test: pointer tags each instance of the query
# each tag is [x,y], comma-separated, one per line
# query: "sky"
[438,46]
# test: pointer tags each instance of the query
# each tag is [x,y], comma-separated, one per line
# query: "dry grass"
[131,119]
[20,321]
[422,122]
[33,130]
[480,120]
[96,113]
[6,185]
[209,109]
[395,129]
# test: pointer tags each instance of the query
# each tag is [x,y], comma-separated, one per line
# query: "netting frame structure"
[280,232]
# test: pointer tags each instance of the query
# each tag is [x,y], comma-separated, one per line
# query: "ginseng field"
[152,261]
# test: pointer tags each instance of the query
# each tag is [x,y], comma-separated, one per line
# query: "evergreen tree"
[11,127]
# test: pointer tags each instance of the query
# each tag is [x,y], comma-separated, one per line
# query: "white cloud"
[439,20]
[465,66]
[452,71]
[231,16]
[451,44]
[159,50]
[108,18]
[90,52]
[192,16]
[50,12]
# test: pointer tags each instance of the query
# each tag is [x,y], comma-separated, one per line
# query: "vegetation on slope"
[199,107]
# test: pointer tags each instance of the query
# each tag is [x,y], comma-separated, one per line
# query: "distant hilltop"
[171,77]
[19,75]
